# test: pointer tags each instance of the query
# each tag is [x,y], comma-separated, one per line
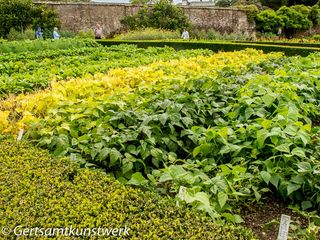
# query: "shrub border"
[214,46]
[295,44]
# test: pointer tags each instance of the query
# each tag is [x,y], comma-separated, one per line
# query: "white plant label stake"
[72,157]
[20,135]
[284,227]
[180,195]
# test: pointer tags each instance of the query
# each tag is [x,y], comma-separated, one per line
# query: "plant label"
[284,227]
[20,135]
[180,194]
[72,157]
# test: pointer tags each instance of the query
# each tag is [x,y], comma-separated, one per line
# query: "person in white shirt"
[56,35]
[185,34]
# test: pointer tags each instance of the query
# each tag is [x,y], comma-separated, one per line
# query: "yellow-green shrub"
[39,191]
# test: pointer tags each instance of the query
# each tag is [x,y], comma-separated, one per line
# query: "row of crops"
[214,130]
[32,68]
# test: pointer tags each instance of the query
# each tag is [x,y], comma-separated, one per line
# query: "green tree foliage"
[15,14]
[268,21]
[290,19]
[314,14]
[161,15]
[295,18]
[21,14]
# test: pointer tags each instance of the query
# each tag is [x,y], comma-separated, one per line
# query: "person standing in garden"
[185,34]
[39,33]
[98,32]
[56,35]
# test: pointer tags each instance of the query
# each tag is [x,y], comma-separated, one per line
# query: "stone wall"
[84,16]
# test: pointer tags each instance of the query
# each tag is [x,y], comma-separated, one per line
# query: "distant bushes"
[214,35]
[19,15]
[149,34]
[161,15]
[287,20]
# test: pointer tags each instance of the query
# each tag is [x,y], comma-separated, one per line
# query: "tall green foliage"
[21,14]
[15,14]
[295,18]
[161,15]
[268,21]
[290,19]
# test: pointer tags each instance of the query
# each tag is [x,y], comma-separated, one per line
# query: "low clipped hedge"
[39,191]
[296,44]
[215,46]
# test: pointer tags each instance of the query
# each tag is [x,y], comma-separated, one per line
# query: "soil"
[257,217]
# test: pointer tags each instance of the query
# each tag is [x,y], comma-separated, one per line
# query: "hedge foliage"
[217,46]
[39,191]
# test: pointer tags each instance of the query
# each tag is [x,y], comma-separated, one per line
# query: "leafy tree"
[268,21]
[294,18]
[314,15]
[161,15]
[21,14]
[15,14]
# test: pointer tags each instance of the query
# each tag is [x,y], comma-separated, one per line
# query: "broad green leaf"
[103,154]
[306,205]
[268,99]
[291,130]
[238,218]
[266,123]
[165,177]
[248,112]
[225,170]
[126,167]
[45,142]
[206,149]
[265,176]
[229,217]
[222,199]
[298,179]
[163,118]
[223,132]
[137,179]
[115,155]
[196,151]
[300,152]
[229,148]
[284,147]
[202,197]
[187,121]
[292,188]
[262,135]
[76,116]
[256,193]
[304,167]
[274,180]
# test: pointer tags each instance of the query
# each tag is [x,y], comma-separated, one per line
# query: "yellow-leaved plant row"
[17,112]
